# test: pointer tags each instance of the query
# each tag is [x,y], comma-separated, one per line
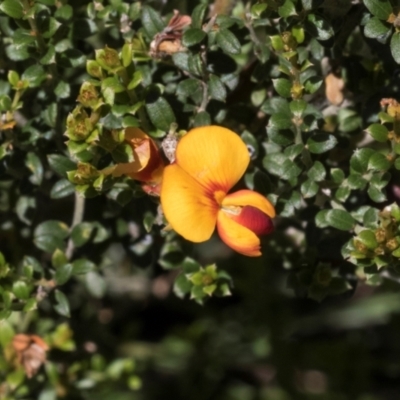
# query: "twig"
[76,219]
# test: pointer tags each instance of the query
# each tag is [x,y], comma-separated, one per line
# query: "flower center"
[219,195]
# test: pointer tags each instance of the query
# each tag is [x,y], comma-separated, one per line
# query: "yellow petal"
[187,206]
[238,237]
[215,156]
[249,198]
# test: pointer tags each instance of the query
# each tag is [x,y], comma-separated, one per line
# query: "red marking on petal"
[254,219]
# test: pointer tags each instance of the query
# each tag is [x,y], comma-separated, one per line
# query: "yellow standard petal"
[215,156]
[249,198]
[187,206]
[238,237]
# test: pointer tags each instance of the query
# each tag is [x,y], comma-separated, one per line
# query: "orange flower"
[148,164]
[194,193]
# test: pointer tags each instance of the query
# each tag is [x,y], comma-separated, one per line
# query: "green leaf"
[376,29]
[359,160]
[49,57]
[61,164]
[379,8]
[34,164]
[318,27]
[21,290]
[342,193]
[395,47]
[81,233]
[160,114]
[62,306]
[278,164]
[182,286]
[376,194]
[321,142]
[13,8]
[340,219]
[58,258]
[282,86]
[35,75]
[62,90]
[50,235]
[309,188]
[228,42]
[216,88]
[378,161]
[287,9]
[356,181]
[203,119]
[297,107]
[280,121]
[82,266]
[193,36]
[13,77]
[188,87]
[368,238]
[151,21]
[198,15]
[63,274]
[65,12]
[378,132]
[317,172]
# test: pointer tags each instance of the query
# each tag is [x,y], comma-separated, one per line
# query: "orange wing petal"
[215,156]
[187,205]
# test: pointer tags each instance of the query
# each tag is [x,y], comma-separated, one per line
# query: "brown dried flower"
[31,352]
[168,41]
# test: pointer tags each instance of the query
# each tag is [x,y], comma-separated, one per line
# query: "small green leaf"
[63,274]
[317,172]
[160,114]
[378,132]
[395,47]
[368,238]
[282,86]
[198,15]
[62,306]
[228,42]
[34,164]
[13,8]
[318,27]
[62,90]
[280,121]
[21,290]
[35,75]
[376,194]
[379,8]
[216,88]
[61,164]
[359,160]
[309,188]
[377,29]
[378,161]
[65,12]
[82,266]
[287,9]
[321,142]
[340,219]
[151,21]
[58,258]
[297,107]
[193,36]
[82,233]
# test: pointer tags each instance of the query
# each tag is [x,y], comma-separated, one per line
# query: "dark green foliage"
[127,307]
